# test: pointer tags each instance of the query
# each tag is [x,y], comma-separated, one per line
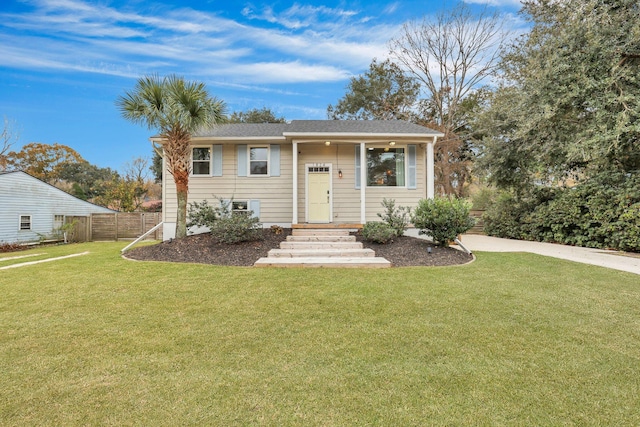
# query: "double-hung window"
[201,160]
[386,167]
[259,161]
[206,161]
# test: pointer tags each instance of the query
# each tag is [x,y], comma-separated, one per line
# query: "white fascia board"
[238,138]
[367,135]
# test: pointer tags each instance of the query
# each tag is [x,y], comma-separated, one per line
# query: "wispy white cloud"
[305,43]
[299,16]
[295,72]
[498,3]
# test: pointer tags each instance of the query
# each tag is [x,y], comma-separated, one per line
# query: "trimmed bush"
[378,232]
[443,219]
[237,227]
[397,218]
[201,214]
[225,225]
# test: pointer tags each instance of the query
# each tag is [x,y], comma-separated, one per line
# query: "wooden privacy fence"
[479,227]
[114,226]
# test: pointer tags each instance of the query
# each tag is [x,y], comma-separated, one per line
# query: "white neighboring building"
[31,210]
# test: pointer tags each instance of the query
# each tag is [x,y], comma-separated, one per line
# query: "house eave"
[362,135]
[238,138]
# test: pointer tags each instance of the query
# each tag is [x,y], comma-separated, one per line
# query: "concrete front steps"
[322,248]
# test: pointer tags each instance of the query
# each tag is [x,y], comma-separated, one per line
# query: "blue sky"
[63,63]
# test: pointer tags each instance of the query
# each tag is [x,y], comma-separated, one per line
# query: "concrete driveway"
[600,257]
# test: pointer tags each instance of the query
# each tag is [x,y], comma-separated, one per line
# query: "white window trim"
[210,148]
[20,222]
[268,174]
[406,166]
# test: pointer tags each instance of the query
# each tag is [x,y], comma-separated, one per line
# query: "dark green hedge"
[601,212]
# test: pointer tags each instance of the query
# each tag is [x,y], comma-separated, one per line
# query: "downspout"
[363,184]
[294,218]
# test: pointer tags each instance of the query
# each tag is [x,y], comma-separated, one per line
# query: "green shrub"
[378,232]
[443,219]
[201,214]
[510,216]
[237,227]
[626,231]
[483,198]
[225,225]
[397,218]
[600,212]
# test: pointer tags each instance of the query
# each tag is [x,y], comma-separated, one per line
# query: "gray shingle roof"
[245,130]
[356,127]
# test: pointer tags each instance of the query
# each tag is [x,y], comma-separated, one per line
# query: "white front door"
[319,199]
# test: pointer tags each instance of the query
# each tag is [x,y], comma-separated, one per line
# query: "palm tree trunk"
[178,154]
[182,192]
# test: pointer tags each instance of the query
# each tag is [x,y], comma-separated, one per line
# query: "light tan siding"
[274,193]
[346,198]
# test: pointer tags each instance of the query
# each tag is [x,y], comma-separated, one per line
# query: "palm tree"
[177,108]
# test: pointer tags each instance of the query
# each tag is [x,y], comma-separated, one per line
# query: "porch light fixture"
[327,143]
[340,173]
[392,143]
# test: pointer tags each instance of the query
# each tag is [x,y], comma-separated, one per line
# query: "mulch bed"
[203,249]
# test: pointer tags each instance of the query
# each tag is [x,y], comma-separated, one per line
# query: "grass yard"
[511,339]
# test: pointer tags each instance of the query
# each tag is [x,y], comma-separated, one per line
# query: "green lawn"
[511,339]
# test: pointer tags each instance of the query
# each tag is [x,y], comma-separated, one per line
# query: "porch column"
[363,183]
[430,171]
[294,218]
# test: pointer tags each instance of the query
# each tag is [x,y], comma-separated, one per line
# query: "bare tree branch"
[8,137]
[451,56]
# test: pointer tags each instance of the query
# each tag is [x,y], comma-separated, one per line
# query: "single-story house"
[32,210]
[308,171]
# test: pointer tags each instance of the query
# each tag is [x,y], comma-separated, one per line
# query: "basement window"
[240,207]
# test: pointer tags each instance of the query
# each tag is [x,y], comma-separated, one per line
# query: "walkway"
[599,257]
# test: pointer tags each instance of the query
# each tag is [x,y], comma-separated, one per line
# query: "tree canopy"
[569,104]
[43,161]
[384,92]
[255,115]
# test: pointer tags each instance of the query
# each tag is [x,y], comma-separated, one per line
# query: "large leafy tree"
[384,92]
[87,181]
[127,191]
[256,115]
[43,161]
[570,102]
[451,56]
[176,108]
